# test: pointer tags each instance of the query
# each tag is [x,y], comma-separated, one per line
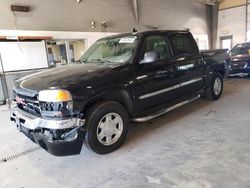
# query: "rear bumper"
[48,134]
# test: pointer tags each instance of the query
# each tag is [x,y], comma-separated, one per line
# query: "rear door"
[187,62]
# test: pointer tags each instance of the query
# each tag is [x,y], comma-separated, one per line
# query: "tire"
[215,89]
[107,127]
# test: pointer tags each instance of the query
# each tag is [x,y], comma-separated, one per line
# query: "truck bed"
[218,56]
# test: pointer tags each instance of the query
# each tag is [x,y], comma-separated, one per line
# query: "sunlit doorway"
[226,42]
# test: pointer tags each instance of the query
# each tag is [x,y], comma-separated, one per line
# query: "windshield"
[241,49]
[111,50]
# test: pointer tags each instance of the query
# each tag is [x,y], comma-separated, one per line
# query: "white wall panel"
[202,41]
[89,37]
[232,22]
[23,55]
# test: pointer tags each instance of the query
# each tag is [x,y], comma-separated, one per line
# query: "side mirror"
[150,57]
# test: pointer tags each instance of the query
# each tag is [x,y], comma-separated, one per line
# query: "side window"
[158,44]
[183,44]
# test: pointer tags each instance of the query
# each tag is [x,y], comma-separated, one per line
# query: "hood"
[70,77]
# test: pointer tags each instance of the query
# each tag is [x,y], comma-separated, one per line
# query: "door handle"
[162,72]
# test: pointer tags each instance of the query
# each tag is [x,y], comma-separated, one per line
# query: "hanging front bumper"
[59,137]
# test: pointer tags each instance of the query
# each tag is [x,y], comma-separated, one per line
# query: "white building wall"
[232,22]
[67,15]
[248,22]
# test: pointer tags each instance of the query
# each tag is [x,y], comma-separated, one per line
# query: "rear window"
[183,44]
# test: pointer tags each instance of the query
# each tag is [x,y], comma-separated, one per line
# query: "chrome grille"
[28,104]
[32,107]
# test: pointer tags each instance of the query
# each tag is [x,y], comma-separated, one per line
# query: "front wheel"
[215,88]
[107,126]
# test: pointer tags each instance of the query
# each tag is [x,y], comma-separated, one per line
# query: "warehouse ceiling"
[103,15]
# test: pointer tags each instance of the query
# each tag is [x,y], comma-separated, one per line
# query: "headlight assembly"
[54,96]
[55,103]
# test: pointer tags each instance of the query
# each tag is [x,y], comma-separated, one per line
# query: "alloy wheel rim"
[109,129]
[217,86]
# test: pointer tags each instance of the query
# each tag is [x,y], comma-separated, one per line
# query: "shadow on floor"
[139,130]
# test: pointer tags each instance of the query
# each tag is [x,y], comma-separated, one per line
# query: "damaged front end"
[50,122]
[59,137]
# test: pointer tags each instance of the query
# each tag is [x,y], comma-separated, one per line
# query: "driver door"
[155,81]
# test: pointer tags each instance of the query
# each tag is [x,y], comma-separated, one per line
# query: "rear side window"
[183,44]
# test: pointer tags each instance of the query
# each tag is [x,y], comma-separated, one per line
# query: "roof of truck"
[163,31]
[147,32]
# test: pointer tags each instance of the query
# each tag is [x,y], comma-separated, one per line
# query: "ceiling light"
[92,24]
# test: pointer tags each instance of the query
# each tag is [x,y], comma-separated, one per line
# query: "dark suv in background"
[240,60]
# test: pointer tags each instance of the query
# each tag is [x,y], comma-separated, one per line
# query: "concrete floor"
[204,144]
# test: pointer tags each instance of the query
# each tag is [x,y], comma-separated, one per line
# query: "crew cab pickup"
[123,78]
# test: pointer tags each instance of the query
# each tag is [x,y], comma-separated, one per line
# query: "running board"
[149,117]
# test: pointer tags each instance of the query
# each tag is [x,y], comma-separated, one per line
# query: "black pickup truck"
[123,78]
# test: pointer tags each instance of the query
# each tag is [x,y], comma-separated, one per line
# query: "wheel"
[214,91]
[107,127]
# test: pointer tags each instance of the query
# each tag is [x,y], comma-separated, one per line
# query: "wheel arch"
[120,96]
[219,68]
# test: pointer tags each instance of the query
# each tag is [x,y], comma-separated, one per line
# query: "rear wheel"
[107,126]
[215,88]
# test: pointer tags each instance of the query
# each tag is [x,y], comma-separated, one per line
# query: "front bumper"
[240,72]
[241,68]
[58,137]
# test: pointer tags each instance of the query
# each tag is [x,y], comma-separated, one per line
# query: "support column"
[68,52]
[134,6]
[215,17]
[212,23]
[246,20]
